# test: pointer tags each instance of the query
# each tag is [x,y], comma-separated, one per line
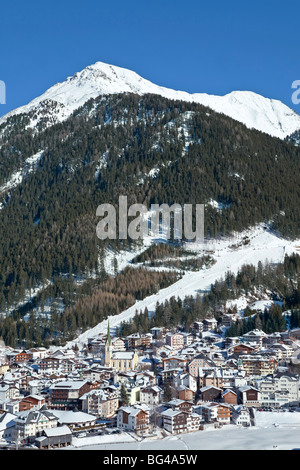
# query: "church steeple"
[108,348]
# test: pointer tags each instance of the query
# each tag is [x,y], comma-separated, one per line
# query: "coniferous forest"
[111,147]
[281,282]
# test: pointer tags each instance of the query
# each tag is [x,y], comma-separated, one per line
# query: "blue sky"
[192,45]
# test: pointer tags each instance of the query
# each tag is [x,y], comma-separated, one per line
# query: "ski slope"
[264,246]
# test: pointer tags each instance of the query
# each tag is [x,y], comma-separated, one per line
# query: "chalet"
[66,394]
[229,397]
[185,379]
[31,402]
[103,402]
[38,353]
[181,405]
[216,412]
[29,423]
[156,332]
[6,424]
[175,421]
[185,393]
[279,390]
[197,327]
[241,415]
[137,340]
[18,356]
[8,392]
[255,336]
[151,395]
[281,351]
[175,340]
[249,396]
[243,348]
[49,364]
[210,393]
[175,362]
[118,344]
[75,419]
[200,361]
[258,365]
[210,324]
[210,376]
[135,419]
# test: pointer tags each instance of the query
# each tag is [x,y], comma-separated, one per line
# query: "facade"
[133,419]
[18,356]
[175,340]
[249,396]
[216,412]
[210,393]
[31,402]
[174,421]
[177,421]
[151,395]
[119,360]
[9,392]
[181,405]
[54,437]
[175,362]
[66,393]
[241,416]
[199,362]
[258,365]
[100,402]
[210,377]
[255,336]
[184,379]
[210,324]
[197,327]
[30,423]
[230,397]
[277,391]
[185,393]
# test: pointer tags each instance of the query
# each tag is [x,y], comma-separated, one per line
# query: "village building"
[216,412]
[131,418]
[66,393]
[249,396]
[151,395]
[101,402]
[119,360]
[29,423]
[177,422]
[60,436]
[279,390]
[175,340]
[241,415]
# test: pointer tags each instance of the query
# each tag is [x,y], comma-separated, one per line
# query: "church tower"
[108,349]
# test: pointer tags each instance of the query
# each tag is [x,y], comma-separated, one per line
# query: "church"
[121,361]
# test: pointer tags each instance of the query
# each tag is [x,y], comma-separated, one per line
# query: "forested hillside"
[151,149]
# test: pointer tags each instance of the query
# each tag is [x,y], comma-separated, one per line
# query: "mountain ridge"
[62,99]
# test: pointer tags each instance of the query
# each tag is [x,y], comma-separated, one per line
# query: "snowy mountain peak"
[253,110]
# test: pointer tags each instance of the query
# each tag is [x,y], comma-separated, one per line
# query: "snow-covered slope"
[58,102]
[264,246]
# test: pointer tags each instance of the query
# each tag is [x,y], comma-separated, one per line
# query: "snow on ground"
[264,246]
[122,438]
[18,176]
[272,431]
[255,111]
